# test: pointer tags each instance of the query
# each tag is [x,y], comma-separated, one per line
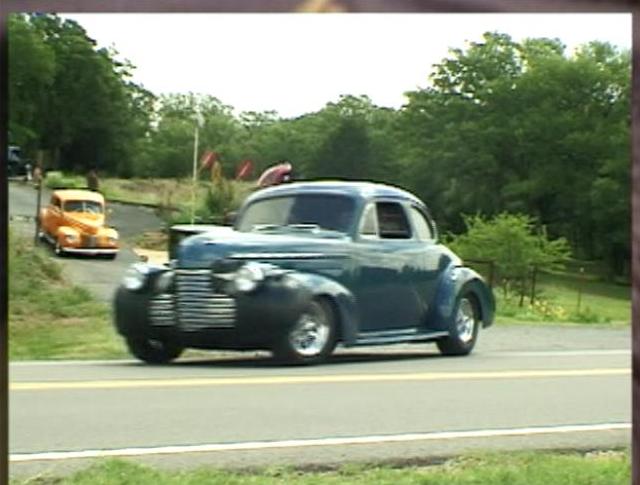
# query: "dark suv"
[17,166]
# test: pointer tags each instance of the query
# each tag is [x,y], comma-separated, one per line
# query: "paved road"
[100,276]
[522,388]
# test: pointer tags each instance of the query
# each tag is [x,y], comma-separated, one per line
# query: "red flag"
[244,169]
[208,159]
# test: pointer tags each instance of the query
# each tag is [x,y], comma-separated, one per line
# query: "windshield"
[14,154]
[302,211]
[88,206]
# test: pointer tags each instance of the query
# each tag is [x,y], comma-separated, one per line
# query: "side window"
[369,223]
[421,225]
[392,221]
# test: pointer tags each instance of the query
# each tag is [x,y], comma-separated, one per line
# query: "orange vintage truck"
[74,223]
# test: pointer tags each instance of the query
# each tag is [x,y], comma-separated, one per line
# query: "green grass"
[175,193]
[165,192]
[569,297]
[50,318]
[609,468]
[609,301]
[60,180]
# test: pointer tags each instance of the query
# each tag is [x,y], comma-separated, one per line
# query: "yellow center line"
[313,379]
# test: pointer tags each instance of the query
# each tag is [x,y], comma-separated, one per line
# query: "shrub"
[516,246]
[58,180]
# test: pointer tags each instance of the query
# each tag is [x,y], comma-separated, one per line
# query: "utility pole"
[199,122]
[39,196]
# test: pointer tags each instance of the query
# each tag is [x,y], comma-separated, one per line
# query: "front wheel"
[312,338]
[464,330]
[58,249]
[153,350]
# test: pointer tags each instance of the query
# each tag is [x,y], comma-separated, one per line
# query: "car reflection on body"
[307,266]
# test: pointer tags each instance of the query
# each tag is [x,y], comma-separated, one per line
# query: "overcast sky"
[296,63]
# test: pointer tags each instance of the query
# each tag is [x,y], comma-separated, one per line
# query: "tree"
[345,152]
[169,145]
[31,75]
[71,98]
[511,127]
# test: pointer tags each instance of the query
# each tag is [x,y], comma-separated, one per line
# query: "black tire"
[463,333]
[311,339]
[152,350]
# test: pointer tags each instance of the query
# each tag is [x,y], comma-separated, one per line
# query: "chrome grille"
[90,241]
[162,310]
[199,305]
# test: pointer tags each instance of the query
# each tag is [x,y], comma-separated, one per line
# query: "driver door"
[384,287]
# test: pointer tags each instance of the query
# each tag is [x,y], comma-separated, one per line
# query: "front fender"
[131,306]
[344,303]
[453,281]
[108,232]
[67,231]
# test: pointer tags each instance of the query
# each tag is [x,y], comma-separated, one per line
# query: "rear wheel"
[312,338]
[153,350]
[464,330]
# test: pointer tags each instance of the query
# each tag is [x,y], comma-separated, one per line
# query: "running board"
[394,337]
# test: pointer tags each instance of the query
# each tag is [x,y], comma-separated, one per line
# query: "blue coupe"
[308,266]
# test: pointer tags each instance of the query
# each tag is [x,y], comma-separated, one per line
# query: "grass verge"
[49,317]
[173,195]
[531,468]
[569,297]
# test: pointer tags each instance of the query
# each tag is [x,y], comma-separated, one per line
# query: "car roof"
[358,189]
[78,194]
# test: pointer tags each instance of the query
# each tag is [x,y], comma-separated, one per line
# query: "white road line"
[305,443]
[565,353]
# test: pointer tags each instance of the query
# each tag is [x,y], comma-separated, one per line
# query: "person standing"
[92,180]
[37,175]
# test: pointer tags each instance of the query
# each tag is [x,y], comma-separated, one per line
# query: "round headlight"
[249,276]
[135,277]
[163,282]
[70,237]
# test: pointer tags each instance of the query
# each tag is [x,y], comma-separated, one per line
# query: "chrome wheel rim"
[310,334]
[465,321]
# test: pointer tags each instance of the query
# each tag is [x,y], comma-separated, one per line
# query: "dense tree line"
[502,126]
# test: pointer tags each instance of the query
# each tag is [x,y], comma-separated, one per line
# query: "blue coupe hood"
[202,249]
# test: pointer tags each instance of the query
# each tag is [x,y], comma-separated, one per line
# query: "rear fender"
[455,280]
